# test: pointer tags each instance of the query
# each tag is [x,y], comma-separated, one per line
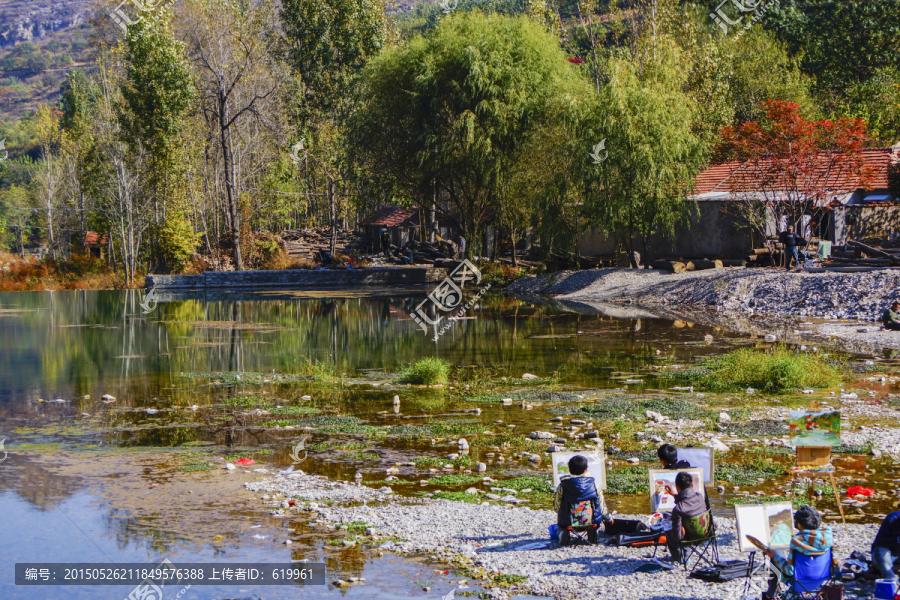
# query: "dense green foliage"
[211,125]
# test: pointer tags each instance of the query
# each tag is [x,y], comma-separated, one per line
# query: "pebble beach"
[488,540]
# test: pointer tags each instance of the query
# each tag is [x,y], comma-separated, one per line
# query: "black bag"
[728,570]
[619,526]
[635,540]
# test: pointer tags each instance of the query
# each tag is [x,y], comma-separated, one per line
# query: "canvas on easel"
[660,499]
[751,520]
[596,466]
[815,428]
[701,458]
[771,523]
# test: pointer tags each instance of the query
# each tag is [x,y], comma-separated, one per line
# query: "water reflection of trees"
[94,342]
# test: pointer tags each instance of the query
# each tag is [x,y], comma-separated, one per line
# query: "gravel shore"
[850,303]
[488,539]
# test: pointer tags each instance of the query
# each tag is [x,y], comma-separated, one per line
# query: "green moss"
[294,410]
[529,396]
[234,377]
[454,480]
[357,526]
[510,579]
[234,457]
[197,466]
[427,462]
[246,401]
[746,474]
[361,456]
[634,408]
[427,371]
[456,496]
[628,480]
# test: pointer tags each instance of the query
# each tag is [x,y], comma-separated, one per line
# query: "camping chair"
[699,541]
[814,578]
[581,525]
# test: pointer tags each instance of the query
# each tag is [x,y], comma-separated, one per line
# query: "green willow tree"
[639,190]
[450,114]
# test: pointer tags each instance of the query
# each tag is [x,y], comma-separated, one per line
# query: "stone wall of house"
[714,231]
[858,222]
[297,278]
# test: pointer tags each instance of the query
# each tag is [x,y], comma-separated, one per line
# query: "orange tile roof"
[390,216]
[92,237]
[719,177]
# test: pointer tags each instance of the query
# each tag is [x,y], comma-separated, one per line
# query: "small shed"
[403,225]
[94,242]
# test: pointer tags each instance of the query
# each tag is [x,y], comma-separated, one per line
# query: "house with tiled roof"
[857,209]
[401,223]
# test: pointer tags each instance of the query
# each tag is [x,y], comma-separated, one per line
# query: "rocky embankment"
[496,543]
[836,297]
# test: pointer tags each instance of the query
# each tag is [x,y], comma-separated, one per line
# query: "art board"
[596,466]
[660,499]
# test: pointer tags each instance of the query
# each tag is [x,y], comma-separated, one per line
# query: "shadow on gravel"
[599,566]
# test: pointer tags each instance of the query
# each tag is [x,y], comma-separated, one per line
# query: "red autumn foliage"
[806,162]
[785,166]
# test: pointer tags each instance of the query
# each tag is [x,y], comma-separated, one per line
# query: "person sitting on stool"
[891,317]
[688,503]
[813,538]
[886,547]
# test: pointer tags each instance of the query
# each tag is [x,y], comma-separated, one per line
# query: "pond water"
[199,380]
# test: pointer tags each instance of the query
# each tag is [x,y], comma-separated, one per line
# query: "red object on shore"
[245,461]
[858,490]
[576,60]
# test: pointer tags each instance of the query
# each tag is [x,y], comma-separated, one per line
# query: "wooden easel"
[816,457]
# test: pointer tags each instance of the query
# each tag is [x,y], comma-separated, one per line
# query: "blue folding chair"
[814,577]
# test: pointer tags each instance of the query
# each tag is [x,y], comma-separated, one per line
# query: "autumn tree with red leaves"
[785,165]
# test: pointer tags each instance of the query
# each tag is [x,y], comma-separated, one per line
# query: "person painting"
[813,538]
[577,496]
[891,317]
[668,456]
[688,503]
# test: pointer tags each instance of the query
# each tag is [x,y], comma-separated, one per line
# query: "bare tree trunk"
[331,200]
[230,181]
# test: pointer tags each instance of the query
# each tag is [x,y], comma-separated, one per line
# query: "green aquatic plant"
[771,371]
[197,466]
[427,371]
[293,410]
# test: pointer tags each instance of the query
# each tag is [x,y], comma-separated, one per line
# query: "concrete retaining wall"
[297,278]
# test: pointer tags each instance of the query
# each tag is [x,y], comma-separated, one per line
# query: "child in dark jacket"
[579,492]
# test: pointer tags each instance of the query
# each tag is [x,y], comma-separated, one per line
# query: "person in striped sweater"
[813,538]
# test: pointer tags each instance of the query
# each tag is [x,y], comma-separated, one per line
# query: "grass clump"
[776,370]
[197,466]
[427,371]
[357,526]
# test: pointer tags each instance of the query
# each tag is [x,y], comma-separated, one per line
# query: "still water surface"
[78,346]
